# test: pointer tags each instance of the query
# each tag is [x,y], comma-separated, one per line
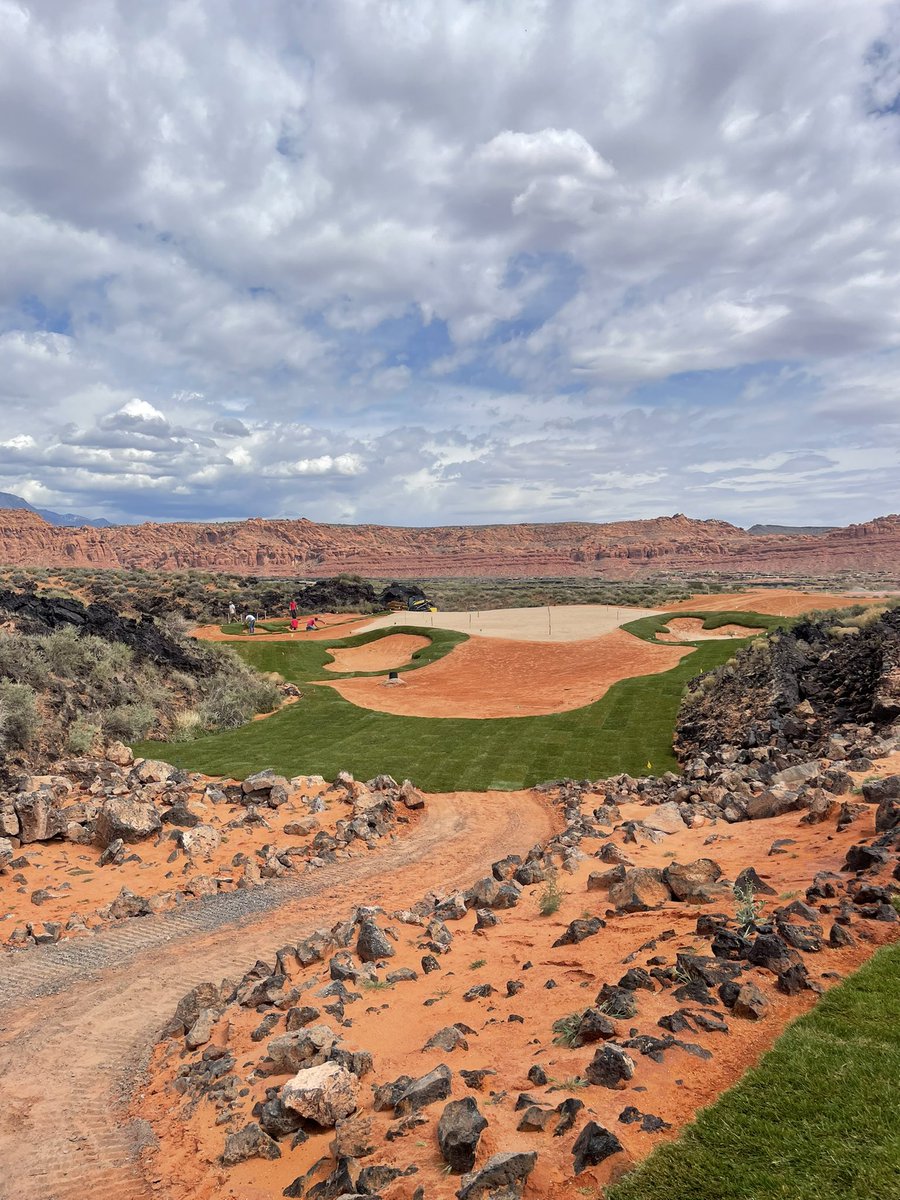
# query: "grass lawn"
[817,1119]
[647,628]
[629,728]
[300,661]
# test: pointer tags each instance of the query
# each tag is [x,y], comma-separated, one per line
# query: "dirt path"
[77,1020]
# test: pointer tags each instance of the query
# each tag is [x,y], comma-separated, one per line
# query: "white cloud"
[469,246]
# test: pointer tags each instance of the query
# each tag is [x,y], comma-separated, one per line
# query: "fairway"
[629,729]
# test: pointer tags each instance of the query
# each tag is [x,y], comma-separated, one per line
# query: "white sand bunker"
[690,629]
[558,623]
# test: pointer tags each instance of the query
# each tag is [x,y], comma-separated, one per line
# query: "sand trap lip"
[558,623]
[690,629]
[487,677]
[395,650]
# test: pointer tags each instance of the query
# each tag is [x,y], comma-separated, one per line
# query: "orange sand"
[780,602]
[396,650]
[52,865]
[494,677]
[395,1024]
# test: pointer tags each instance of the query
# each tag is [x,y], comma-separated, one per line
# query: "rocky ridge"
[618,550]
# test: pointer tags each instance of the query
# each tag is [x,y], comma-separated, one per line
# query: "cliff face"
[620,550]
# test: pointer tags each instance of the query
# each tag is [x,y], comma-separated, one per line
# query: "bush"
[187,725]
[18,715]
[81,736]
[130,722]
[551,898]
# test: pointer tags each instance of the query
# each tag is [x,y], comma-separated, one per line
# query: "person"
[292,608]
[294,623]
[232,613]
[250,622]
[312,623]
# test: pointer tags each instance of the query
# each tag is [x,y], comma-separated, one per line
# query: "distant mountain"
[676,546]
[791,530]
[8,500]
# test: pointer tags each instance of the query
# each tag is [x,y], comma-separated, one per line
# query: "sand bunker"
[487,677]
[558,623]
[683,629]
[778,602]
[395,650]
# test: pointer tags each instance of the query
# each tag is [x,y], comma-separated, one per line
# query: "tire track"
[77,1020]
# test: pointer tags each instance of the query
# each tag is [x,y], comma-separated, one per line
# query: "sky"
[423,262]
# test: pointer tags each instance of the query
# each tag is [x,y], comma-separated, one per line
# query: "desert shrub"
[81,735]
[66,654]
[130,722]
[19,717]
[551,898]
[186,725]
[225,707]
[20,663]
[565,1029]
[747,908]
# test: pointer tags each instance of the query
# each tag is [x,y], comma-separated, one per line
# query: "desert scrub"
[186,725]
[748,909]
[551,898]
[18,715]
[82,735]
[565,1030]
[130,722]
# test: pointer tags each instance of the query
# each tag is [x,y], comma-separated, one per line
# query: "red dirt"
[492,677]
[74,1032]
[394,1025]
[396,650]
[778,602]
[89,887]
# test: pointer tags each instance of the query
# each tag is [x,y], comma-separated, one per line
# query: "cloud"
[448,261]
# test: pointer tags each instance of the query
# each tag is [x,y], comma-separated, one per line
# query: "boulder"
[610,1067]
[324,1094]
[876,790]
[503,1175]
[750,1003]
[666,818]
[578,930]
[593,1146]
[419,1093]
[373,943]
[40,819]
[692,881]
[641,890]
[6,853]
[129,820]
[201,841]
[249,1142]
[773,804]
[594,1026]
[307,1047]
[887,816]
[458,1133]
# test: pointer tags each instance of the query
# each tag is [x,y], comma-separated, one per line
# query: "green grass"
[817,1119]
[647,628]
[629,729]
[302,661]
